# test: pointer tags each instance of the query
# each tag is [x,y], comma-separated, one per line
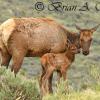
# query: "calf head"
[86,38]
[72,47]
[73,39]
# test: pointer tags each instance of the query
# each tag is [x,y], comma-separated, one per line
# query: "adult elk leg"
[18,56]
[5,58]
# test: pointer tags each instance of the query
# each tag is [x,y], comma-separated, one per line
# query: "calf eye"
[78,46]
[91,39]
[81,40]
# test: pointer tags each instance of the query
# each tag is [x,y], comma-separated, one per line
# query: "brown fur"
[59,62]
[86,36]
[83,41]
[31,37]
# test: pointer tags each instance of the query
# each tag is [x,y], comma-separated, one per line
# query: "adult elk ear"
[95,28]
[77,27]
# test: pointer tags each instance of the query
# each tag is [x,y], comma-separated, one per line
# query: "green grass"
[68,93]
[83,76]
[19,88]
[22,88]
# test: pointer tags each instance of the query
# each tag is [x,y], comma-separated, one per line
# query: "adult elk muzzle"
[85,47]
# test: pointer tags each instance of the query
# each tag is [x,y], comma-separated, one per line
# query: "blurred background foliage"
[83,76]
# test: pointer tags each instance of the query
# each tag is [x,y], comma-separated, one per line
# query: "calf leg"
[44,69]
[45,88]
[43,73]
[50,83]
[63,72]
[40,81]
[64,75]
[59,74]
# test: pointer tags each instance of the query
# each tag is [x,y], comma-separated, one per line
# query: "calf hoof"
[15,75]
[6,67]
[12,69]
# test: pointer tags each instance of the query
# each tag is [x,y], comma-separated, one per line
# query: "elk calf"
[56,62]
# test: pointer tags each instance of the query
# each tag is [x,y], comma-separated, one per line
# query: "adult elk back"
[30,37]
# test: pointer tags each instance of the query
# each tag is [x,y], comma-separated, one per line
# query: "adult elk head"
[86,38]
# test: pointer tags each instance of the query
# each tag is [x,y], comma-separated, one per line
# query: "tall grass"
[19,88]
[65,92]
[22,88]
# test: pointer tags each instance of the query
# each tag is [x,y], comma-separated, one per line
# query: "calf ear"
[77,27]
[68,43]
[95,28]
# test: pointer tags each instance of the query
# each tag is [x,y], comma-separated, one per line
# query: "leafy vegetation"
[22,88]
[19,88]
[84,75]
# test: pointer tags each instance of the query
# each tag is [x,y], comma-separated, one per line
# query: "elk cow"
[30,37]
[83,39]
[56,62]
